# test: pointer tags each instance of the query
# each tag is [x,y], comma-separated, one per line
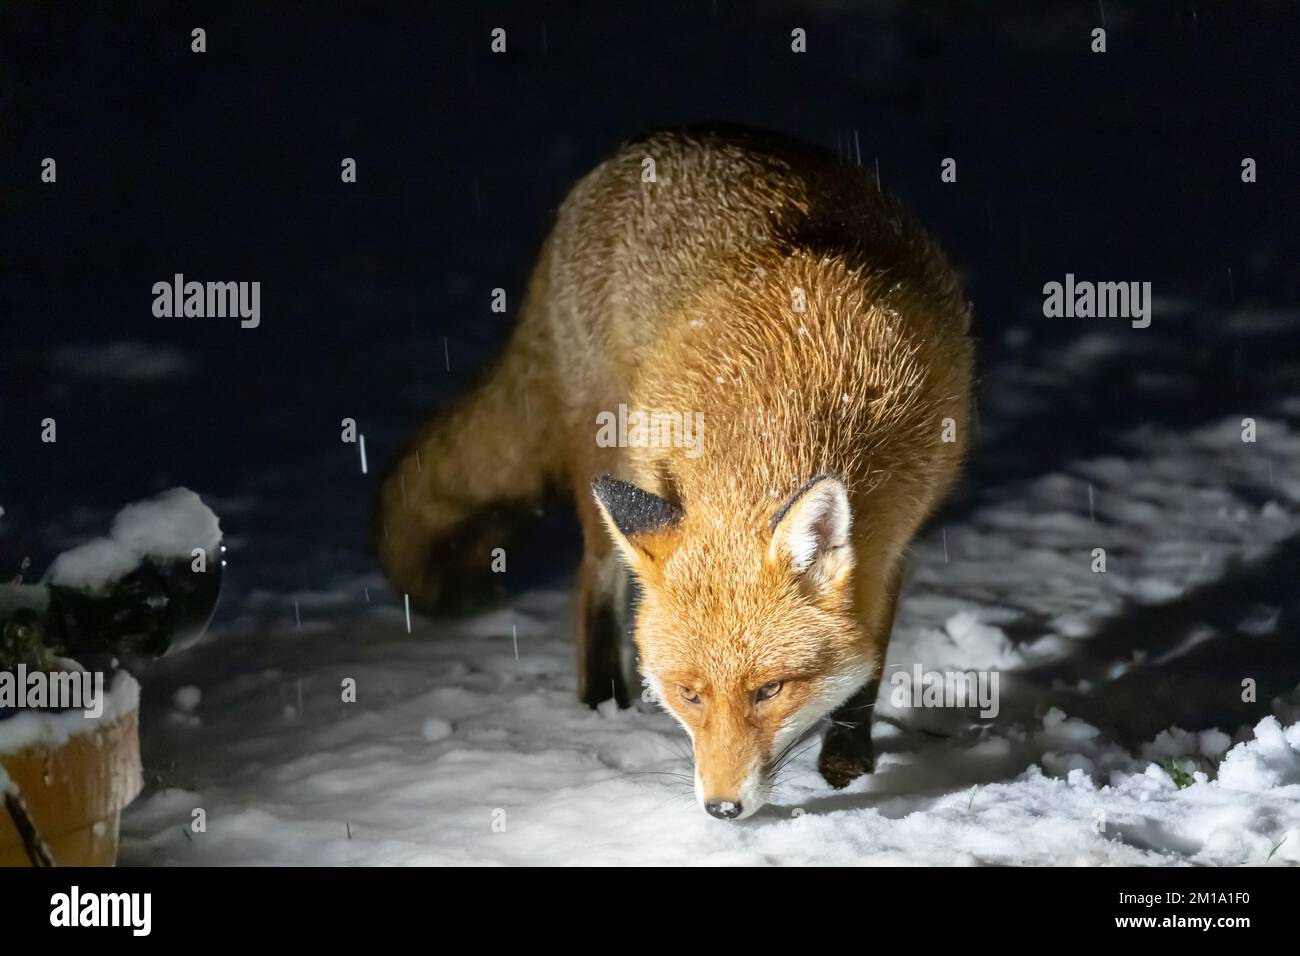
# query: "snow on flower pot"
[65,777]
[69,749]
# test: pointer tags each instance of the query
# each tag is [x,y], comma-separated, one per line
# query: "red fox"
[818,341]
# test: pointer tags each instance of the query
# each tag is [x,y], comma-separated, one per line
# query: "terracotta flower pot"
[68,778]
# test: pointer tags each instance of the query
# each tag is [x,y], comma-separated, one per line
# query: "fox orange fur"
[824,340]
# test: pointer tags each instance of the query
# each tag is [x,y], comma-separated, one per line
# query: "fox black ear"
[810,534]
[639,522]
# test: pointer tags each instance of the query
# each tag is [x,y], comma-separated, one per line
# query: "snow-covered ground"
[1122,735]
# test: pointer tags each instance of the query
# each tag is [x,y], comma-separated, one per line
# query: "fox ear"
[641,523]
[810,535]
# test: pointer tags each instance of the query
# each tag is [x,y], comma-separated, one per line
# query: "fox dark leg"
[602,594]
[601,672]
[846,749]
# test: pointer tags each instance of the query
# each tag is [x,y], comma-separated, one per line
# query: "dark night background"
[225,166]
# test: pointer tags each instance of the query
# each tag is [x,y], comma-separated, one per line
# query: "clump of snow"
[967,642]
[435,728]
[1213,743]
[1065,730]
[122,361]
[980,645]
[93,565]
[187,698]
[1176,742]
[1260,620]
[1271,760]
[168,526]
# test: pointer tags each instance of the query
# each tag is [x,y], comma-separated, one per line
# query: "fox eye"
[769,690]
[690,696]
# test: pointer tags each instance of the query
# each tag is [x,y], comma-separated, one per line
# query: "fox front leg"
[846,748]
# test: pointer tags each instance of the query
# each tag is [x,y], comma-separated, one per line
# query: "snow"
[122,361]
[187,698]
[435,728]
[93,565]
[1269,762]
[459,750]
[169,525]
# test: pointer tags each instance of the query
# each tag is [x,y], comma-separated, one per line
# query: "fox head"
[746,627]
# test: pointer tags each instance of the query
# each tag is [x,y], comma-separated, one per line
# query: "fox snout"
[723,809]
[734,804]
[728,785]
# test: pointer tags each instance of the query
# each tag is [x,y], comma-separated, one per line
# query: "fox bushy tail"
[464,477]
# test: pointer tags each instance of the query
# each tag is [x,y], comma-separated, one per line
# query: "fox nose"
[723,809]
